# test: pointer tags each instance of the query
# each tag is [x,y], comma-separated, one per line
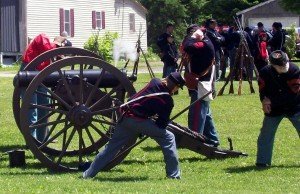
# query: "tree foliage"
[290,41]
[102,45]
[291,5]
[184,12]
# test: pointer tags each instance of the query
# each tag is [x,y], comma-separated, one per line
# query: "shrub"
[150,55]
[290,42]
[102,45]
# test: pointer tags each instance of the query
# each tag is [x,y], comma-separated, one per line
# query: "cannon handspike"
[193,141]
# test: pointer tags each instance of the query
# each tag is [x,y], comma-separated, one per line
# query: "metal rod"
[185,109]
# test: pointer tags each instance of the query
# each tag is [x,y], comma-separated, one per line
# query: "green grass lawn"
[238,117]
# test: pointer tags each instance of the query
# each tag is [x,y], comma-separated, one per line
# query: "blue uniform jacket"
[281,89]
[157,105]
[201,55]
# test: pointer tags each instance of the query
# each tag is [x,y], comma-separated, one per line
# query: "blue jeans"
[168,69]
[200,119]
[36,114]
[266,137]
[130,128]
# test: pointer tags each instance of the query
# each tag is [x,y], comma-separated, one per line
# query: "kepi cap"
[177,79]
[278,57]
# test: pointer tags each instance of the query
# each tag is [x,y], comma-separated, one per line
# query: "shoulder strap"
[207,69]
[140,97]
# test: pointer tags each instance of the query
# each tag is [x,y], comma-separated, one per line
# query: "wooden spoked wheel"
[49,55]
[81,112]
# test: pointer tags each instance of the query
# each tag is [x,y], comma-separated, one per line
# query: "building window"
[98,20]
[66,17]
[132,22]
[67,22]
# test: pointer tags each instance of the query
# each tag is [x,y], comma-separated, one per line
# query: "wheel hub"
[80,116]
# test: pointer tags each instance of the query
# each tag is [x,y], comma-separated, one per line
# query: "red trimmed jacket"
[282,89]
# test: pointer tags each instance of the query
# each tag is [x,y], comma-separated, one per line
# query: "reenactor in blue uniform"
[164,46]
[278,40]
[201,52]
[279,88]
[154,100]
[217,41]
[170,57]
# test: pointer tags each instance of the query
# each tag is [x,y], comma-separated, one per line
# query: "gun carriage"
[84,95]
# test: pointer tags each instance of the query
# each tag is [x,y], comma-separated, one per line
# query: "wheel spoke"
[81,145]
[105,96]
[63,151]
[67,87]
[99,112]
[91,137]
[33,126]
[103,122]
[64,139]
[98,131]
[57,97]
[81,84]
[55,136]
[53,126]
[43,94]
[95,87]
[44,117]
[47,108]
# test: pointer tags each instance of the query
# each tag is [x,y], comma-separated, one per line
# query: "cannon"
[84,95]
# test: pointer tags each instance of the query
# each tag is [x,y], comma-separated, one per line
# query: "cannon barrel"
[23,78]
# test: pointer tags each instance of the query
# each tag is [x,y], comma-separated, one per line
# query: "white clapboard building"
[22,20]
[268,12]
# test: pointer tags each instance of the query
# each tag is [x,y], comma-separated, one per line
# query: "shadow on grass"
[254,168]
[142,162]
[122,179]
[5,148]
[151,149]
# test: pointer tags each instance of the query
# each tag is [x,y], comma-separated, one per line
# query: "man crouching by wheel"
[153,100]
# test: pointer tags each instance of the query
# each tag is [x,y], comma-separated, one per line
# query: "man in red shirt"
[262,55]
[39,45]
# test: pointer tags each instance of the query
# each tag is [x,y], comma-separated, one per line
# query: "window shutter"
[72,22]
[103,20]
[94,19]
[61,20]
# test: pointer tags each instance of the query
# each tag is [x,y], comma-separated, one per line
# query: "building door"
[9,18]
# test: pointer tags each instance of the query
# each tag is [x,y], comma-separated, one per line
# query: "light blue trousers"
[130,128]
[267,134]
[36,114]
[200,119]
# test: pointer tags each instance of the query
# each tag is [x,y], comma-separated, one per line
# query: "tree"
[291,5]
[184,12]
[161,12]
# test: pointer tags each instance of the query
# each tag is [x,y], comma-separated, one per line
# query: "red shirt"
[263,50]
[39,45]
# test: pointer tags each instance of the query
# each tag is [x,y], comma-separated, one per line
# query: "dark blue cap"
[177,79]
[278,58]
